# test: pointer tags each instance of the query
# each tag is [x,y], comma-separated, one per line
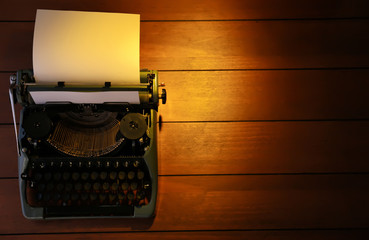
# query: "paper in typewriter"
[86,48]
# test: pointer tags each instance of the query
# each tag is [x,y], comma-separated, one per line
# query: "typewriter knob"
[163,96]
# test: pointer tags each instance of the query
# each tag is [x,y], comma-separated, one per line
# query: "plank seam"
[195,230]
[228,20]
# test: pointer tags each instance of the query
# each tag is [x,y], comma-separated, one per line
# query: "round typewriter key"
[140,195]
[87,186]
[125,186]
[56,196]
[140,175]
[60,187]
[46,197]
[97,186]
[134,186]
[93,196]
[49,187]
[113,175]
[66,176]
[84,176]
[121,175]
[112,197]
[47,176]
[75,196]
[103,175]
[41,187]
[102,196]
[78,186]
[114,186]
[65,197]
[94,175]
[39,196]
[57,176]
[38,177]
[84,196]
[68,187]
[121,196]
[75,176]
[106,186]
[131,175]
[130,196]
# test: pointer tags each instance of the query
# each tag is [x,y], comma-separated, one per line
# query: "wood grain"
[20,10]
[225,45]
[207,235]
[222,203]
[254,95]
[246,148]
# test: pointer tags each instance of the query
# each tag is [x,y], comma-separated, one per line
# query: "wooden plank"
[246,148]
[18,10]
[222,203]
[254,95]
[225,45]
[206,235]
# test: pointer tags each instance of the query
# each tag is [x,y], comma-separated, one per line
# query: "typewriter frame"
[149,95]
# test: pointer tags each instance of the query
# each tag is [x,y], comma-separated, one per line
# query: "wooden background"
[265,133]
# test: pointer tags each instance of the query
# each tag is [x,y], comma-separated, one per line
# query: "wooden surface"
[265,134]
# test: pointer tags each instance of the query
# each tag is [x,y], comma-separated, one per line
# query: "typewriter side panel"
[28,211]
[151,159]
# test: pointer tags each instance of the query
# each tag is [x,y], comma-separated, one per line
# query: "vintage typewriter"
[87,160]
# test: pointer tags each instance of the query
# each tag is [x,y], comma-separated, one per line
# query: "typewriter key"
[84,196]
[75,176]
[78,186]
[121,175]
[131,175]
[102,196]
[47,176]
[97,186]
[103,175]
[140,195]
[125,186]
[68,187]
[66,176]
[84,176]
[112,197]
[75,196]
[114,186]
[87,186]
[134,186]
[60,187]
[56,196]
[49,187]
[94,175]
[106,186]
[46,197]
[38,177]
[130,196]
[41,187]
[93,196]
[65,197]
[140,175]
[113,175]
[121,196]
[57,176]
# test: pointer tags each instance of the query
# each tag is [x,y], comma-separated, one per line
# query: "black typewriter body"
[88,160]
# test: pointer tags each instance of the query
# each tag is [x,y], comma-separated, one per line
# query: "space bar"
[71,211]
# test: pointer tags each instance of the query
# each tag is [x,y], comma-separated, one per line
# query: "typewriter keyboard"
[62,184]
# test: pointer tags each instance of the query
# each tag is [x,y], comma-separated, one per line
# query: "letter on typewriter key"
[121,175]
